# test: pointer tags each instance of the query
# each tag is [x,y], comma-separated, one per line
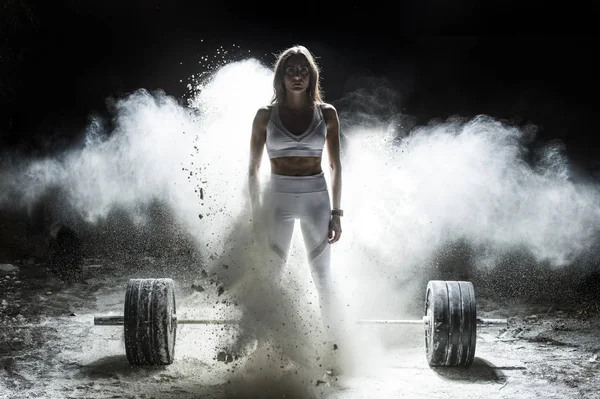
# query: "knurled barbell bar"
[150,322]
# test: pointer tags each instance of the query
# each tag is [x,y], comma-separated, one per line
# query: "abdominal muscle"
[296,166]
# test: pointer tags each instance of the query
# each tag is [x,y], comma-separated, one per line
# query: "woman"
[295,129]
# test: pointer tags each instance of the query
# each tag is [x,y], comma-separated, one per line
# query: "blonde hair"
[314,87]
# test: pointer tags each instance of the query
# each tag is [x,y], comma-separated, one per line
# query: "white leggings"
[305,198]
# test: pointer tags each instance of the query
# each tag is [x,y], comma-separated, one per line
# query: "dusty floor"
[49,348]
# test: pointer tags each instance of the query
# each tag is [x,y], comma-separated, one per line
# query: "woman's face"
[296,74]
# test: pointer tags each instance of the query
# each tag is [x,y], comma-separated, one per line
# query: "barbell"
[150,322]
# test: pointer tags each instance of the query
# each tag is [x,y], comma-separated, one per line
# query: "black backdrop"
[61,60]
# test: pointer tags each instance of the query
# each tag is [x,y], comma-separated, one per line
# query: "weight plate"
[150,330]
[450,336]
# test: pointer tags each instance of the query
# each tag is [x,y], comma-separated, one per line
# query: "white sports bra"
[282,143]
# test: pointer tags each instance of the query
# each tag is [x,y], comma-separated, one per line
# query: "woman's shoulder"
[263,114]
[328,110]
[266,108]
[326,106]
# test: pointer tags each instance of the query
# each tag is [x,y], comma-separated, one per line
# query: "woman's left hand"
[335,229]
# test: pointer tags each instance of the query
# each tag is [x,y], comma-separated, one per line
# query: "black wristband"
[337,212]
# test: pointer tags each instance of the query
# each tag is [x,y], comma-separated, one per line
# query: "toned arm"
[333,150]
[257,145]
[335,168]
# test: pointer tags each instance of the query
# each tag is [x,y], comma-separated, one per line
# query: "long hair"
[314,87]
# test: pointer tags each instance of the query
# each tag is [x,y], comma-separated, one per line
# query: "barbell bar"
[425,321]
[120,320]
[150,322]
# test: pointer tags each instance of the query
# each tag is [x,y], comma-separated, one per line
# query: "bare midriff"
[296,166]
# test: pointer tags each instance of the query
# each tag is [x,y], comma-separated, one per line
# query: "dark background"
[61,60]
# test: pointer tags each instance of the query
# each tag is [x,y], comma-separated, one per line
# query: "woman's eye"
[304,71]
